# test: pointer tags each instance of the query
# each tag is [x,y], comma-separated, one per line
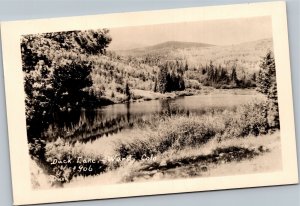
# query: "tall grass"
[180,131]
[174,132]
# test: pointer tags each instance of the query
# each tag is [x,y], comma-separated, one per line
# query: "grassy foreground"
[239,156]
[263,155]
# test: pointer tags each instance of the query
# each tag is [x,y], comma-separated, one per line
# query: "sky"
[217,32]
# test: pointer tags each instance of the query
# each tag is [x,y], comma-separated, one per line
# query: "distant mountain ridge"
[175,45]
[164,46]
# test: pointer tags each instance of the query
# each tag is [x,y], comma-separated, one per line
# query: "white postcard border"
[10,34]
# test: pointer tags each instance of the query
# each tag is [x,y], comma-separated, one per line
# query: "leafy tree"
[93,41]
[70,80]
[56,73]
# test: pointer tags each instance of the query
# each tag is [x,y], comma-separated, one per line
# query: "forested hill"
[197,64]
[246,55]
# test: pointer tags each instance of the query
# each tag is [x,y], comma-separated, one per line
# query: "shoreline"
[144,95]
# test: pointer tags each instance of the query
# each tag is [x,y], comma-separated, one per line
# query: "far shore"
[138,95]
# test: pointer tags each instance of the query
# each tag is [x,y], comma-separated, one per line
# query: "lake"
[89,125]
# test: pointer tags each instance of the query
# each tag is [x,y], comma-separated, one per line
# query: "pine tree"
[181,83]
[253,77]
[233,78]
[204,70]
[162,81]
[224,76]
[172,82]
[266,84]
[155,85]
[273,112]
[186,67]
[210,71]
[127,91]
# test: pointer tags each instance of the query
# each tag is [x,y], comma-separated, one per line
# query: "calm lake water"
[88,125]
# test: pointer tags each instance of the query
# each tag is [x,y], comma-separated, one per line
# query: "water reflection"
[88,125]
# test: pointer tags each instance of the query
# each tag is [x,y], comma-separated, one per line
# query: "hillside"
[246,55]
[161,48]
[139,67]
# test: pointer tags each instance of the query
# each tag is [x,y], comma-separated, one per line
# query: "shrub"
[61,150]
[37,148]
[185,131]
[249,119]
[175,133]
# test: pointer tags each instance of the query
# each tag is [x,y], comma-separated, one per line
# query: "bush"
[37,148]
[61,150]
[175,133]
[193,84]
[250,119]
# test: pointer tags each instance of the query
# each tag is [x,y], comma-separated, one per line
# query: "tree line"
[171,77]
[221,77]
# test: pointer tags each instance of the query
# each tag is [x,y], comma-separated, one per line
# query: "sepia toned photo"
[148,104]
[151,103]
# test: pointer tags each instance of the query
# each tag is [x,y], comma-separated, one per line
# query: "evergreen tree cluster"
[221,77]
[170,77]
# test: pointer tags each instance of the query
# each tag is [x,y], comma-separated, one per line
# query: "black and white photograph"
[151,103]
[186,100]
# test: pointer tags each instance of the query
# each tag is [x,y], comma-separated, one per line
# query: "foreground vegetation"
[228,157]
[167,142]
